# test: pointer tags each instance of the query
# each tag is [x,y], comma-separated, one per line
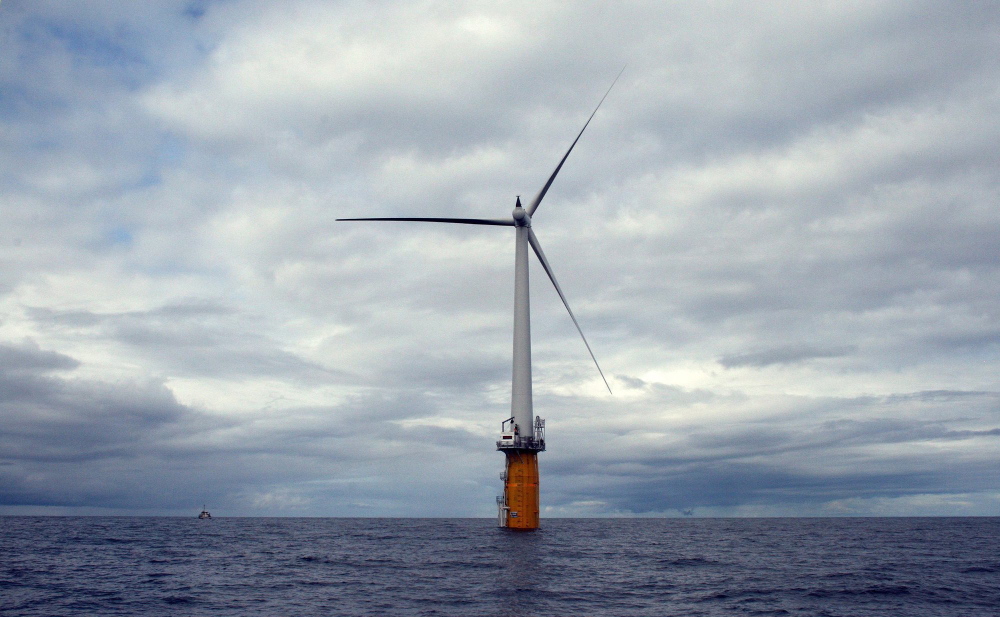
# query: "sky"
[779,233]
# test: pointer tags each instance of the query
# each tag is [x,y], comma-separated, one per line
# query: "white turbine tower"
[519,506]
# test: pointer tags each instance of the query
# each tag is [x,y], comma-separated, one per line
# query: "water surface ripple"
[61,566]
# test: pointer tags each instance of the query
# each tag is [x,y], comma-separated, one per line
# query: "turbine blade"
[545,189]
[548,270]
[504,222]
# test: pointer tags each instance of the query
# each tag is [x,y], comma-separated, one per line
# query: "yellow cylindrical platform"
[521,489]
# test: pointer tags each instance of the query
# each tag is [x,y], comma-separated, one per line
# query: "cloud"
[778,233]
[784,355]
[29,357]
[131,446]
[202,339]
[789,461]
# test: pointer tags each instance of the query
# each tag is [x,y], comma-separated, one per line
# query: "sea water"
[56,566]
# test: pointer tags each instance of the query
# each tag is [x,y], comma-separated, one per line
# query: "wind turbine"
[522,435]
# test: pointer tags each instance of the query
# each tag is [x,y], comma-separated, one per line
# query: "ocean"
[55,566]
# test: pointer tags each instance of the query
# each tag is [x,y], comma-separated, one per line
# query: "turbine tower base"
[519,504]
[518,507]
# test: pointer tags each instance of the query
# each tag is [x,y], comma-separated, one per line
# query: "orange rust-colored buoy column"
[518,506]
[521,489]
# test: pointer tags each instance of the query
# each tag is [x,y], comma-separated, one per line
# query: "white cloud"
[778,234]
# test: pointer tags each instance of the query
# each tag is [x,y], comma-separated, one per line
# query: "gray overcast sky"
[780,234]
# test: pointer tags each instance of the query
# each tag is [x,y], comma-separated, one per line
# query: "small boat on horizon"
[204,513]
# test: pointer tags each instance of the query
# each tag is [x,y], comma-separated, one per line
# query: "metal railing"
[536,443]
[521,443]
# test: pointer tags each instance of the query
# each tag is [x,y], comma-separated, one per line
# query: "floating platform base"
[519,503]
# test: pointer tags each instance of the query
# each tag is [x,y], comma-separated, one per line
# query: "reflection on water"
[521,580]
